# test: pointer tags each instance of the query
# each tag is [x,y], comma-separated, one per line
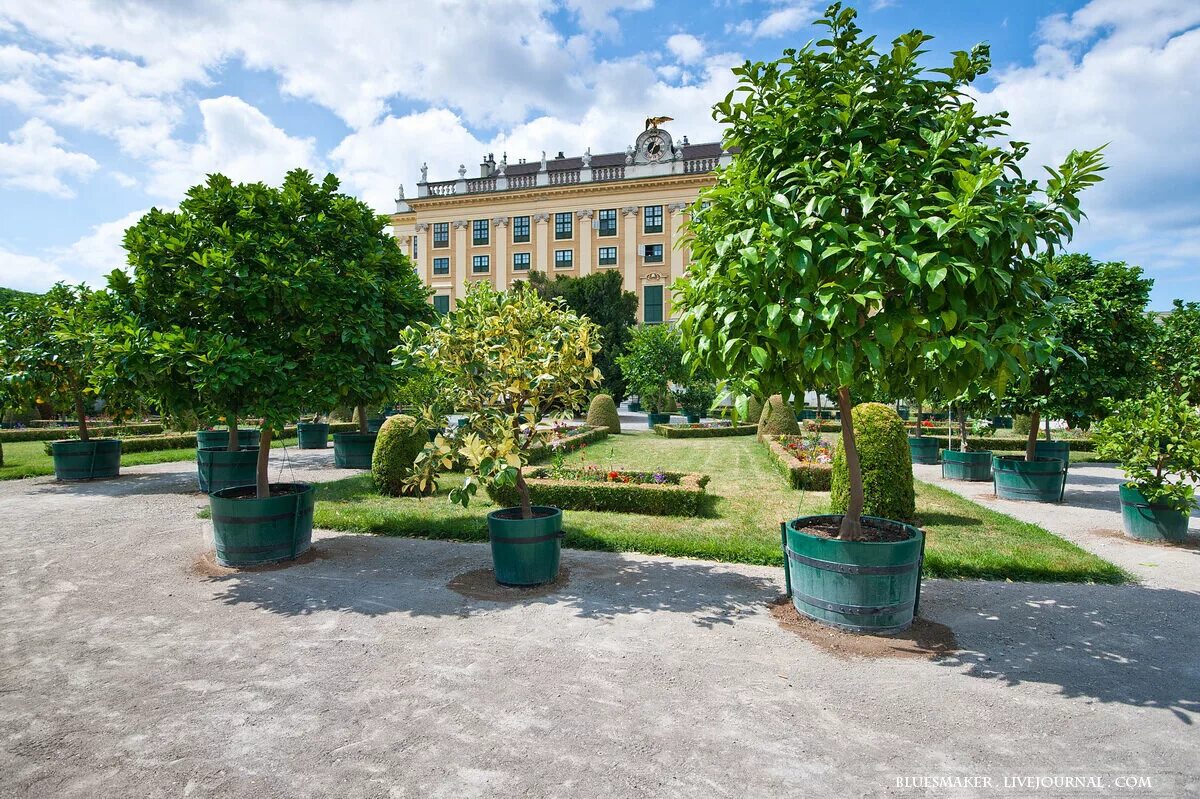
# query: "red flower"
[614,476]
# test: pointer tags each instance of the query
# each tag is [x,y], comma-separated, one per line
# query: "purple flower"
[660,478]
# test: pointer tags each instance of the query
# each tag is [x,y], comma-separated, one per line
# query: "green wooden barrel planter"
[86,460]
[857,586]
[1042,480]
[972,466]
[353,450]
[924,449]
[207,439]
[635,406]
[692,418]
[376,422]
[1055,449]
[433,433]
[1148,522]
[657,418]
[526,551]
[217,468]
[248,531]
[806,414]
[313,435]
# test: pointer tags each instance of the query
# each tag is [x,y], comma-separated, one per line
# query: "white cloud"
[598,15]
[28,272]
[237,140]
[782,21]
[87,260]
[35,160]
[687,48]
[1120,74]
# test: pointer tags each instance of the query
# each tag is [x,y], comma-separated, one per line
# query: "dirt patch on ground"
[481,584]
[988,497]
[1192,543]
[205,564]
[925,640]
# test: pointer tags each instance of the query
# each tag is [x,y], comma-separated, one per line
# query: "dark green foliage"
[601,297]
[1175,354]
[653,361]
[1021,424]
[684,431]
[12,297]
[685,499]
[159,443]
[602,412]
[886,465]
[396,447]
[777,418]
[801,476]
[59,433]
[754,410]
[698,394]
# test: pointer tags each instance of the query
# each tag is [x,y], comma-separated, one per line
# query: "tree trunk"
[1031,441]
[261,469]
[920,416]
[523,495]
[851,529]
[1047,427]
[962,429]
[79,411]
[361,410]
[231,443]
[819,420]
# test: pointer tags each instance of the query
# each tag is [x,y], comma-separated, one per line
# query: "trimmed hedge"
[688,498]
[399,442]
[683,431]
[801,476]
[886,465]
[186,440]
[63,433]
[602,412]
[585,435]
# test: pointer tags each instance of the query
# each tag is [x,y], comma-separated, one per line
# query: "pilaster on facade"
[541,257]
[421,236]
[461,263]
[674,232]
[629,256]
[585,241]
[500,226]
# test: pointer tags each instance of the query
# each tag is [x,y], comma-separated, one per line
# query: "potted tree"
[872,221]
[964,463]
[697,396]
[652,362]
[507,358]
[53,358]
[313,433]
[1156,439]
[255,301]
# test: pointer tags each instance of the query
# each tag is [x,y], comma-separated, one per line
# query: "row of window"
[564,226]
[652,304]
[563,259]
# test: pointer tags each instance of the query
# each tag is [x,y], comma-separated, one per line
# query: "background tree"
[601,298]
[258,302]
[651,363]
[1175,352]
[872,221]
[508,358]
[1104,336]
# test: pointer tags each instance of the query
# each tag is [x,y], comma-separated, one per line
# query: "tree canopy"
[653,360]
[1175,353]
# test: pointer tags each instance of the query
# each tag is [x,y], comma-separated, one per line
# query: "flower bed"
[803,460]
[705,430]
[654,493]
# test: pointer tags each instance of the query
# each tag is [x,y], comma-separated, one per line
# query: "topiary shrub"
[602,413]
[396,447]
[754,409]
[886,465]
[1021,424]
[777,418]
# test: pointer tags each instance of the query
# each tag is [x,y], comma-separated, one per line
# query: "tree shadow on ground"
[126,484]
[1116,644]
[375,575]
[926,519]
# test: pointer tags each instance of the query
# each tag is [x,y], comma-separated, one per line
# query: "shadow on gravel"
[127,484]
[375,575]
[1125,644]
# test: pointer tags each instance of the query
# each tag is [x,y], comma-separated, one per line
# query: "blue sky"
[107,109]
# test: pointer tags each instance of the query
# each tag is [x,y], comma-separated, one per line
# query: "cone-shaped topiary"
[777,418]
[602,413]
[754,409]
[396,447]
[886,465]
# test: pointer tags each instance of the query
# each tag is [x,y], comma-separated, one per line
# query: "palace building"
[622,211]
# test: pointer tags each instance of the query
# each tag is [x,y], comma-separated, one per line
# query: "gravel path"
[126,672]
[1090,516]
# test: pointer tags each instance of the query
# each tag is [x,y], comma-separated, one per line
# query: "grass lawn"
[964,539]
[29,458]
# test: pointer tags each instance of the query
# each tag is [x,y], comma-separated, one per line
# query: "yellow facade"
[449,264]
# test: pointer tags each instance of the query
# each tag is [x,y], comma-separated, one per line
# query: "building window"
[563,226]
[441,266]
[415,241]
[479,232]
[520,262]
[652,304]
[652,219]
[608,256]
[653,253]
[564,259]
[480,264]
[520,226]
[608,222]
[441,234]
[441,303]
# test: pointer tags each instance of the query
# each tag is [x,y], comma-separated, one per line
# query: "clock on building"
[652,146]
